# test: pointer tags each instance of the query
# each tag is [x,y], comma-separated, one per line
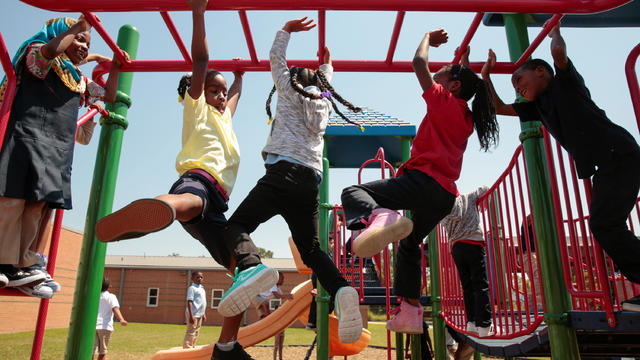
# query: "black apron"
[37,152]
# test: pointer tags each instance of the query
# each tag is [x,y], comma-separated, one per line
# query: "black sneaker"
[632,304]
[22,277]
[237,353]
[310,326]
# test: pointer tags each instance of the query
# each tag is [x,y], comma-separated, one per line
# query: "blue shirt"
[197,294]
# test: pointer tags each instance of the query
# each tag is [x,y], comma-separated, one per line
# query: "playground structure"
[536,182]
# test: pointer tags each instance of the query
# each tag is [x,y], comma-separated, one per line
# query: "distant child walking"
[37,149]
[195,311]
[426,182]
[104,325]
[599,148]
[467,248]
[293,159]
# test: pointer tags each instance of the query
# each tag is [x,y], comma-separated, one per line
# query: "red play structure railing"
[590,275]
[514,279]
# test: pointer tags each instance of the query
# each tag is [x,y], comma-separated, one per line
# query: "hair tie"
[326,94]
[180,99]
[270,120]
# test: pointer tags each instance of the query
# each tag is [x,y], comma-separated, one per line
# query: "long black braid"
[316,78]
[484,114]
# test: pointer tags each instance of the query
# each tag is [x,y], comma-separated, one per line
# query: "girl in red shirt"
[425,184]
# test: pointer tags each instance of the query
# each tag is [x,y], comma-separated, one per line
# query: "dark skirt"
[37,151]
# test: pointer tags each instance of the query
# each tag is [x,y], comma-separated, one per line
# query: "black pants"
[615,190]
[313,309]
[470,261]
[290,190]
[413,190]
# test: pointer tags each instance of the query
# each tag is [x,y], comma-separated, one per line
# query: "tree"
[264,253]
[175,254]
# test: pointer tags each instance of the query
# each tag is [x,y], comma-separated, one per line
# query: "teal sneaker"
[247,284]
[348,313]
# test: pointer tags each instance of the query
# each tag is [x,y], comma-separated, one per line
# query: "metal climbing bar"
[632,81]
[467,37]
[394,37]
[512,6]
[536,42]
[10,91]
[176,36]
[95,22]
[247,35]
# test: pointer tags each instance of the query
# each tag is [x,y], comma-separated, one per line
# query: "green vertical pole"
[562,337]
[439,341]
[322,300]
[91,267]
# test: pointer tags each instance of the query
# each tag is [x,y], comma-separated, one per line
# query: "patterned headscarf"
[62,65]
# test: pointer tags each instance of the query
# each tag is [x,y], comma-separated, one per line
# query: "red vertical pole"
[36,347]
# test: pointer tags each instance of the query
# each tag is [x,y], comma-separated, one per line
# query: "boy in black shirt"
[599,148]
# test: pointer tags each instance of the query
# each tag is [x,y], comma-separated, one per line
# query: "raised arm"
[558,48]
[199,48]
[421,59]
[277,54]
[235,91]
[498,104]
[56,46]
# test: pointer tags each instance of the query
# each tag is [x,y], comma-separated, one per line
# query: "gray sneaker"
[40,291]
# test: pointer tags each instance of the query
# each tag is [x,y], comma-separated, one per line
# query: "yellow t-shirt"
[208,142]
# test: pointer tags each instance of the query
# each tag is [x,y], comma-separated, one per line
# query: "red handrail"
[10,92]
[632,81]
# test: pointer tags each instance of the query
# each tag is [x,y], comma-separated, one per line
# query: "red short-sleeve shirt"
[442,138]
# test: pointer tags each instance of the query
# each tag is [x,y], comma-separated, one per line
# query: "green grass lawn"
[141,341]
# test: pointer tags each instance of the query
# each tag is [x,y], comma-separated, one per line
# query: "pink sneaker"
[408,319]
[385,226]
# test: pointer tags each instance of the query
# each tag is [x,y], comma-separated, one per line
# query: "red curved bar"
[467,38]
[632,81]
[517,6]
[10,92]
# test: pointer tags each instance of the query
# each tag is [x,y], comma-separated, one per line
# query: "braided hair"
[185,82]
[484,113]
[303,77]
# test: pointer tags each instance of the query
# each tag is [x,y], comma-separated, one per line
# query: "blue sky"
[152,140]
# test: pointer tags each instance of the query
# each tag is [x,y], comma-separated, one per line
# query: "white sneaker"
[348,312]
[486,331]
[39,290]
[471,328]
[3,280]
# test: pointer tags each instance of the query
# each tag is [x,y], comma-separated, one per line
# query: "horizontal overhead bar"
[516,6]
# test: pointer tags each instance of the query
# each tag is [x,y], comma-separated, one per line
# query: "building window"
[152,297]
[274,304]
[216,296]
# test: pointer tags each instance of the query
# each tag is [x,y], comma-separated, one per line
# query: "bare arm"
[199,48]
[189,305]
[558,48]
[421,59]
[111,86]
[116,310]
[235,91]
[498,104]
[464,59]
[56,46]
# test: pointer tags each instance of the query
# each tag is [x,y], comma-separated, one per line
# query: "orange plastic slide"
[284,316]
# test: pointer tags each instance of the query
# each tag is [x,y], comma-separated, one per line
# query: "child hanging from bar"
[426,182]
[599,147]
[208,165]
[293,160]
[37,149]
